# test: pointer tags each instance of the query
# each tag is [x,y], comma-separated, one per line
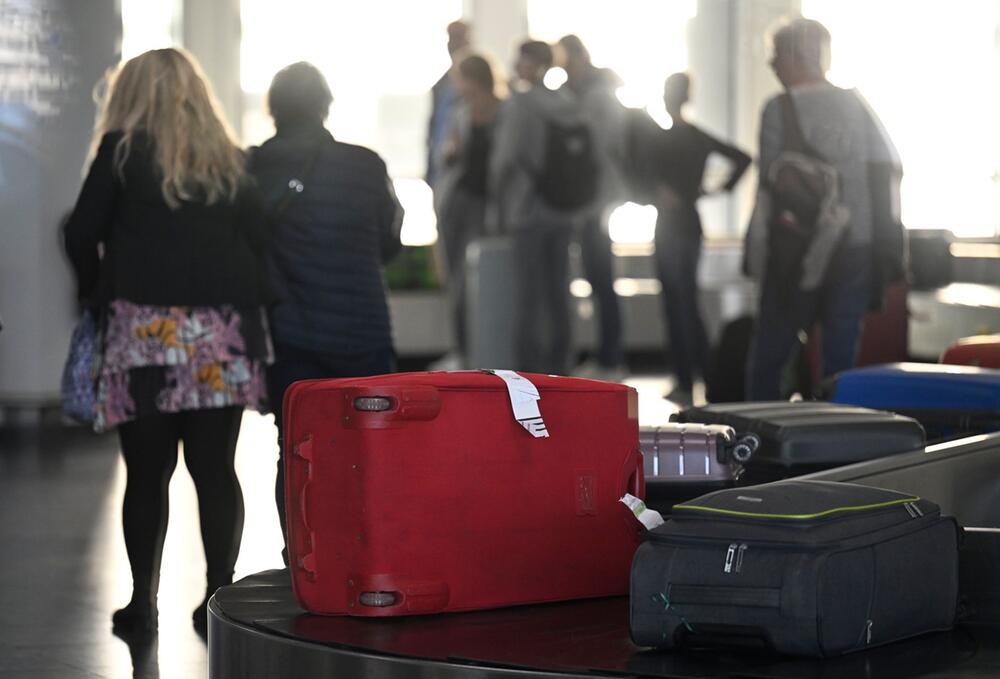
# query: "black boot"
[139,617]
[200,615]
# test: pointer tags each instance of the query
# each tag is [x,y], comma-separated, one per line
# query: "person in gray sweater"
[526,191]
[841,129]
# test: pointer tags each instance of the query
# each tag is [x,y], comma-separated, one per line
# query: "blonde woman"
[165,240]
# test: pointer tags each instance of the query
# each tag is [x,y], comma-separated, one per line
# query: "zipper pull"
[868,632]
[730,553]
[739,556]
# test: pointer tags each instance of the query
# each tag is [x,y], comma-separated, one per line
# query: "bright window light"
[632,223]
[419,223]
[149,25]
[643,41]
[580,287]
[381,58]
[555,78]
[932,80]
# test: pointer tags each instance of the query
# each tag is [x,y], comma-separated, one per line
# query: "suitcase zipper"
[734,558]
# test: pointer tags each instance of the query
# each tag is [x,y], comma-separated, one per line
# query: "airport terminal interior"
[569,258]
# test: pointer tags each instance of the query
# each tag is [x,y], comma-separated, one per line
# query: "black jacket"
[195,255]
[326,250]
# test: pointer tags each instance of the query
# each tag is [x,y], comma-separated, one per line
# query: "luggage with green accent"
[812,568]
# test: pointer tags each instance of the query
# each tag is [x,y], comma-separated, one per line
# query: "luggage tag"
[524,400]
[650,518]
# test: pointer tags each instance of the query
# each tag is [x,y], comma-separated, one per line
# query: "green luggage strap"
[799,517]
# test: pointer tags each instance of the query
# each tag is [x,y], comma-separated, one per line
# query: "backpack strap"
[297,184]
[794,140]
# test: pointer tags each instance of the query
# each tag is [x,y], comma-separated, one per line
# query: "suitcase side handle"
[633,475]
[301,458]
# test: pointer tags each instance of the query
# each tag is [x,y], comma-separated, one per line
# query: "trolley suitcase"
[807,436]
[812,568]
[982,351]
[683,461]
[427,492]
[949,400]
[490,311]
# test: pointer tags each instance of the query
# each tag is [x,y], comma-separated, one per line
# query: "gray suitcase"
[683,461]
[489,307]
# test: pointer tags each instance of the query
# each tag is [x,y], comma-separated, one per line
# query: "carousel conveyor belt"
[258,630]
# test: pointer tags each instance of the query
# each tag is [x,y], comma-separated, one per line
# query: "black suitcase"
[683,461]
[807,436]
[814,568]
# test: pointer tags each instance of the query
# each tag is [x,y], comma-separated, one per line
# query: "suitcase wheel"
[745,448]
[379,599]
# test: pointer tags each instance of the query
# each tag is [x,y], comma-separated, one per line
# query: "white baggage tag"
[524,401]
[650,518]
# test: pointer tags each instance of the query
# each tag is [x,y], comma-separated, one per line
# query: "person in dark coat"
[166,241]
[860,208]
[328,242]
[684,152]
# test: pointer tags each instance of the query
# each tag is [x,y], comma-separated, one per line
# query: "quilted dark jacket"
[327,247]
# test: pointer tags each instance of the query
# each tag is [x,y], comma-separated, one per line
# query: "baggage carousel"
[256,629]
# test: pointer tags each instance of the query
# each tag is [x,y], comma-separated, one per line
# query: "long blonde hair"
[165,94]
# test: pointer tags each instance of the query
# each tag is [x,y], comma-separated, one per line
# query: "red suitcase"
[421,492]
[982,351]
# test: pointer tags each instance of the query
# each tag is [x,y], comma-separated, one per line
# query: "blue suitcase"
[949,400]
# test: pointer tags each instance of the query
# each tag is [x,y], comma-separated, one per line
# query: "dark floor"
[63,568]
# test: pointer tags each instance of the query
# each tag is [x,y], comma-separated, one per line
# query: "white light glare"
[632,223]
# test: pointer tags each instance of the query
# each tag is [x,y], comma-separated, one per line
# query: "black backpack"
[568,179]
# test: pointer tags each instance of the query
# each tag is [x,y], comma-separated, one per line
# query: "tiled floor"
[63,568]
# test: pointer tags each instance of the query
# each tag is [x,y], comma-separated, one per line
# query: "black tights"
[149,446]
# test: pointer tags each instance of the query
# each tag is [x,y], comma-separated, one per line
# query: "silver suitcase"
[695,453]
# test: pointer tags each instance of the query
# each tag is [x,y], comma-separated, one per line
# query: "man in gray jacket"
[527,180]
[593,90]
[840,131]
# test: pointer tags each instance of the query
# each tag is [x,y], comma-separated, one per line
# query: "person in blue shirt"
[444,100]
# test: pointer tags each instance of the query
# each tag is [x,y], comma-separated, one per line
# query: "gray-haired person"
[858,218]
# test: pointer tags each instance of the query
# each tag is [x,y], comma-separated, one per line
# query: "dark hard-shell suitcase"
[982,351]
[806,436]
[948,400]
[814,568]
[443,491]
[682,461]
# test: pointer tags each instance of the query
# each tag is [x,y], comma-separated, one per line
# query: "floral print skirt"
[169,359]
